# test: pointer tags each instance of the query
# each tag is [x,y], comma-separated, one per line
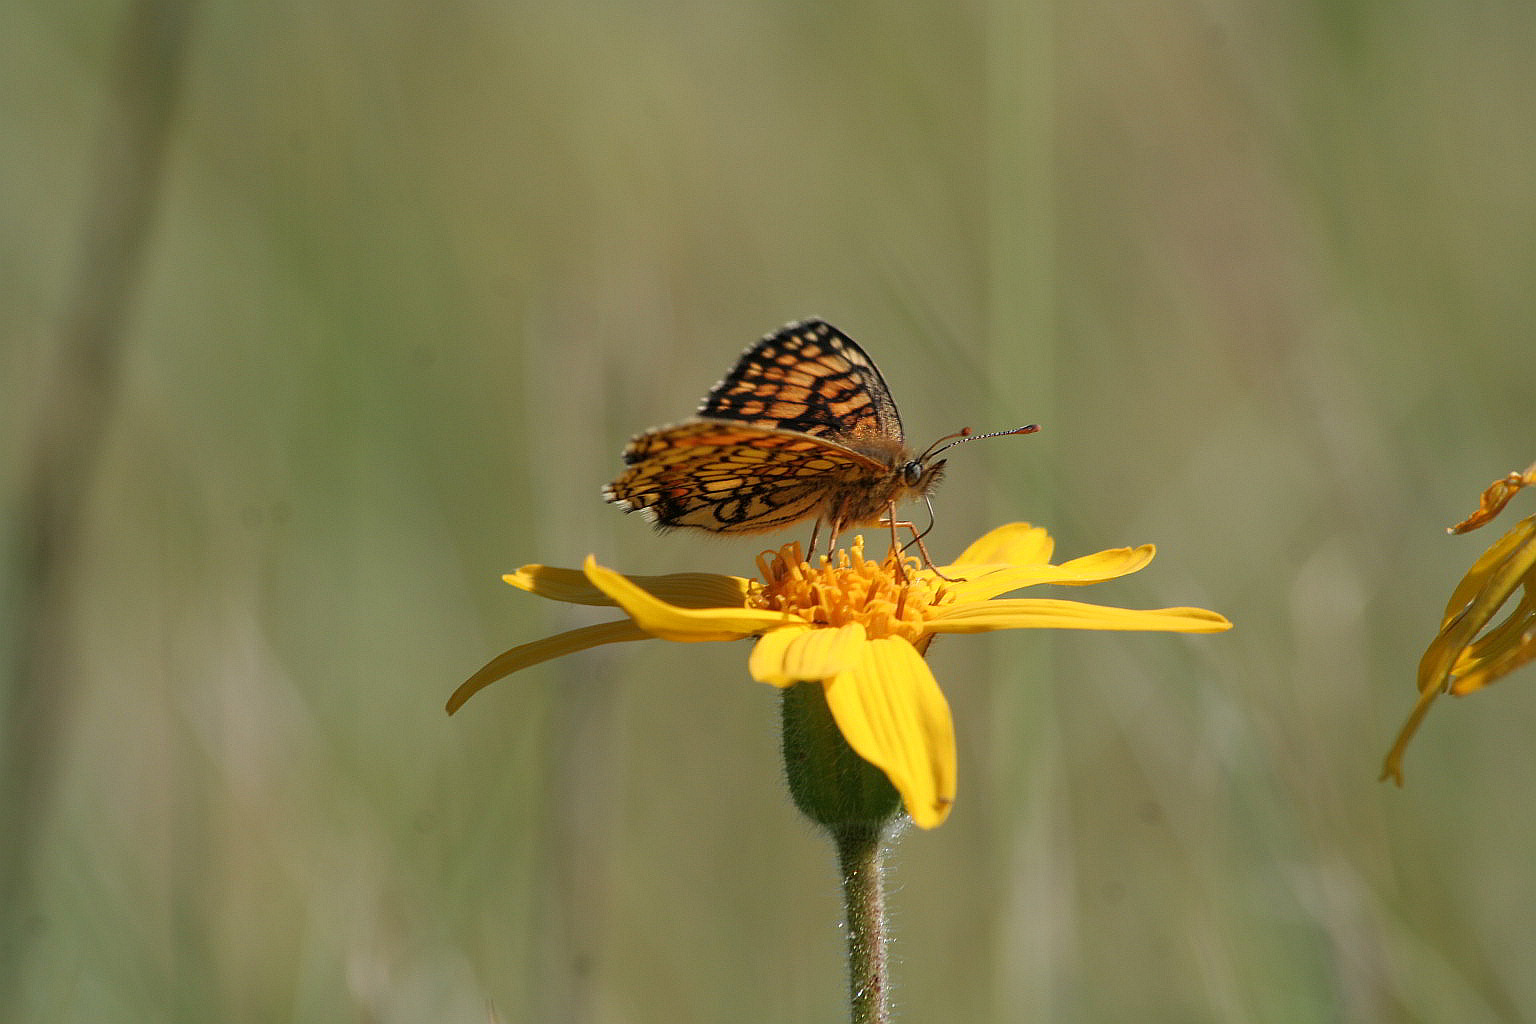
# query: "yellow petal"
[1487,564]
[1009,544]
[671,622]
[1506,647]
[766,663]
[524,655]
[1477,599]
[805,654]
[684,589]
[1105,565]
[1451,661]
[1095,568]
[1494,668]
[1045,613]
[1495,498]
[1392,767]
[892,713]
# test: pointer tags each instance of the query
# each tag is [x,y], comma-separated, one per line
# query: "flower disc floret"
[889,599]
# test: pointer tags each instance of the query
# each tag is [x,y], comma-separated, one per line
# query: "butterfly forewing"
[811,378]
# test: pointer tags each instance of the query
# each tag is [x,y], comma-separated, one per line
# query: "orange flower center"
[887,598]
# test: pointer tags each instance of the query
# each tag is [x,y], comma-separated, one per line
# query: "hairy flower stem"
[858,857]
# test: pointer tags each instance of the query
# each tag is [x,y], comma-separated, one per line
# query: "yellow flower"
[1459,661]
[857,627]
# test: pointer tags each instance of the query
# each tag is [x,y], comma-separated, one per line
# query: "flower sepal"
[830,783]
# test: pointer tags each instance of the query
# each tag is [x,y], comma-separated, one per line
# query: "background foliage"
[397,281]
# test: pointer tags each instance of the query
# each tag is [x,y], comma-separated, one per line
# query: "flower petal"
[805,654]
[1106,565]
[766,663]
[684,589]
[1009,544]
[1495,498]
[1452,661]
[1046,613]
[1500,651]
[1095,568]
[1477,599]
[1477,577]
[671,622]
[524,655]
[893,714]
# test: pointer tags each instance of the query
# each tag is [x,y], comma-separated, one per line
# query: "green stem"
[858,857]
[855,803]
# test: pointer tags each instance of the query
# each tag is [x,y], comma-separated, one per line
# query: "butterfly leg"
[917,538]
[901,566]
[832,541]
[810,549]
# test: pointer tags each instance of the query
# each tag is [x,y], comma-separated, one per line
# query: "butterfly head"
[921,475]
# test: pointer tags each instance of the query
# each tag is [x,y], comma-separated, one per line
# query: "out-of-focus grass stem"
[76,405]
[1021,325]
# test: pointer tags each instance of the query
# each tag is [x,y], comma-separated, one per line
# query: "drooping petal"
[1503,649]
[1453,661]
[671,622]
[1494,498]
[804,654]
[1095,568]
[893,714]
[1477,599]
[684,589]
[524,655]
[1046,613]
[766,662]
[1009,544]
[1477,579]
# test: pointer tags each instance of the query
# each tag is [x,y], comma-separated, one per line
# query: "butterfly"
[803,426]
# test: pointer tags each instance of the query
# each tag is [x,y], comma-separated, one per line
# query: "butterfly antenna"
[966,435]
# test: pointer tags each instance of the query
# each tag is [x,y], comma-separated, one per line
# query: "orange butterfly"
[803,426]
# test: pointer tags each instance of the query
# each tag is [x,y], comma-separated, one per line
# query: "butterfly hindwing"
[732,477]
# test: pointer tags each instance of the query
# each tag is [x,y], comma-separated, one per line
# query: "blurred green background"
[389,286]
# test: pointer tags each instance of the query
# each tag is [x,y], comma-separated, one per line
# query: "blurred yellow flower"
[1458,660]
[857,627]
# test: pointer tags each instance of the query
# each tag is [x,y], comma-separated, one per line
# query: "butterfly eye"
[912,473]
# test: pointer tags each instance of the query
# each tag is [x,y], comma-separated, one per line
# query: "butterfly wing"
[808,377]
[733,477]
